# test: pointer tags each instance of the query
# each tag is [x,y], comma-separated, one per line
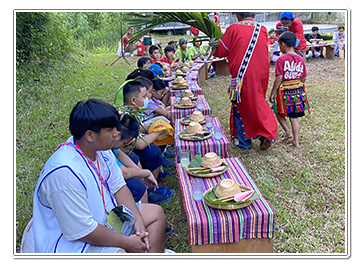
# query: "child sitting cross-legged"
[135,98]
[140,182]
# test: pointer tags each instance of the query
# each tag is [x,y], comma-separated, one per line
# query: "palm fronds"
[146,21]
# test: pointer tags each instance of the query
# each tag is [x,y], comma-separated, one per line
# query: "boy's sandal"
[156,198]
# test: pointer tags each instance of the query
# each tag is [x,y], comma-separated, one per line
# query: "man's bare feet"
[296,145]
[287,137]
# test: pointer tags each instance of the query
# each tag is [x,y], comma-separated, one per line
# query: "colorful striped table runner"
[220,147]
[195,71]
[207,225]
[179,113]
[194,87]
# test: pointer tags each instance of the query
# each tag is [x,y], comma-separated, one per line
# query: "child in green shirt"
[183,52]
[197,51]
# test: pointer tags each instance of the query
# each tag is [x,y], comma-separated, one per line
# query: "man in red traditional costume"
[129,48]
[245,45]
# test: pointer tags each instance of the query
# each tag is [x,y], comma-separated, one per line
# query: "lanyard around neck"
[91,163]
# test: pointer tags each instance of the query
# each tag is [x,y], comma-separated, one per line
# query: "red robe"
[257,116]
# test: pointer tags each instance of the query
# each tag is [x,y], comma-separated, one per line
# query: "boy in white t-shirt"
[81,183]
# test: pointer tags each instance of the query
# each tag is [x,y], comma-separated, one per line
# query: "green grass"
[305,187]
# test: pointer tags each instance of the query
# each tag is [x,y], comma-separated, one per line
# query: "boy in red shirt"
[170,58]
[288,94]
[295,26]
[273,56]
[154,53]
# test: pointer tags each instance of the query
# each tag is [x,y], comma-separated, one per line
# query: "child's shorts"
[137,188]
[150,157]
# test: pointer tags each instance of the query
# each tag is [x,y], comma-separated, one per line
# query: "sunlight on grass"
[305,187]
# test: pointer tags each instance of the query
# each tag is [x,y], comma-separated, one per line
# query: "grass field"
[306,187]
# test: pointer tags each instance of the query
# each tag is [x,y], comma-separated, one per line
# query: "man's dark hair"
[132,88]
[315,28]
[128,127]
[158,84]
[243,15]
[142,61]
[288,38]
[92,114]
[152,49]
[140,72]
[146,82]
[340,27]
[169,49]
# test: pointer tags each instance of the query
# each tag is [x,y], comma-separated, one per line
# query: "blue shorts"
[137,188]
[133,157]
[150,157]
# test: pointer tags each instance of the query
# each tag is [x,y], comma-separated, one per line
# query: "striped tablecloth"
[195,70]
[208,225]
[194,87]
[179,113]
[220,147]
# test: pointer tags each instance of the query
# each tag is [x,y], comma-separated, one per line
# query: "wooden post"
[329,51]
[341,53]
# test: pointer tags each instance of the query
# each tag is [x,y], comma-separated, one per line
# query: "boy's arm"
[123,196]
[163,112]
[105,237]
[278,80]
[150,138]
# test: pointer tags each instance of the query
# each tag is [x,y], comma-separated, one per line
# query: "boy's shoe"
[309,55]
[162,195]
[164,191]
[264,143]
[169,251]
[156,198]
[163,174]
[321,56]
[212,74]
[169,153]
[167,163]
[169,231]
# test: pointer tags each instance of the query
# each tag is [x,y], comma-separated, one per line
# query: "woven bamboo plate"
[185,121]
[208,175]
[190,138]
[178,105]
[194,97]
[180,87]
[227,207]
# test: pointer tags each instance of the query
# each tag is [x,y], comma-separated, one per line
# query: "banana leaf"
[212,198]
[135,114]
[199,20]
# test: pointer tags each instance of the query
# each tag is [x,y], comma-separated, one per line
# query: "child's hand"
[141,232]
[271,98]
[135,245]
[151,181]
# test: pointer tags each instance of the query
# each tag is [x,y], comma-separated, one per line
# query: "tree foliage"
[48,36]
